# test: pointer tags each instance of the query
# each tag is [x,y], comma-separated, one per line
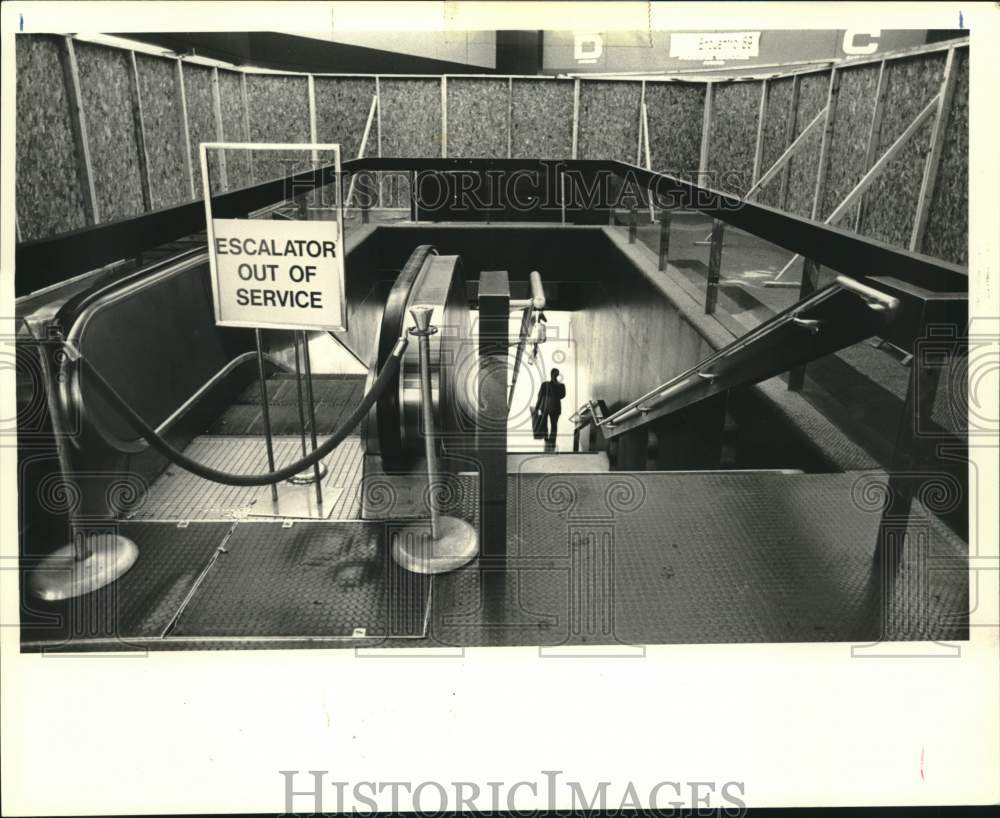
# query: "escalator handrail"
[386,379]
[875,300]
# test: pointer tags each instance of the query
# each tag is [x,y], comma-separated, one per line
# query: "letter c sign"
[851,47]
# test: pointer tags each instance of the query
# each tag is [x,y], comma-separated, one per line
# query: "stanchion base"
[295,502]
[62,576]
[307,477]
[414,549]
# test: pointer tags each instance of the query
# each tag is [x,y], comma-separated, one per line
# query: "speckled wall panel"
[234,128]
[779,101]
[411,127]
[279,112]
[542,119]
[49,197]
[168,181]
[947,232]
[609,120]
[891,201]
[411,117]
[813,89]
[342,106]
[675,111]
[849,140]
[104,86]
[477,117]
[733,140]
[201,123]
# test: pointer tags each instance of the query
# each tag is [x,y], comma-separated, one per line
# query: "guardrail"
[529,188]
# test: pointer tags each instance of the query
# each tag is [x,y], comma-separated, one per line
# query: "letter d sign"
[587,48]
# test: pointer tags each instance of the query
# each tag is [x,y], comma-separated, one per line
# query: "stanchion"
[450,542]
[91,559]
[318,470]
[294,499]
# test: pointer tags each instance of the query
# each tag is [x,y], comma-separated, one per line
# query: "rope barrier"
[385,378]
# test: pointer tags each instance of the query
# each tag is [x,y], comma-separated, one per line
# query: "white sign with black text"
[277,274]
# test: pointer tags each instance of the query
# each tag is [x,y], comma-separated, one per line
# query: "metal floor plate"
[615,559]
[143,602]
[180,495]
[312,579]
[654,558]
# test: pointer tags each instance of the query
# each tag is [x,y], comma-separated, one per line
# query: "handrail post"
[664,239]
[633,223]
[452,542]
[714,266]
[809,285]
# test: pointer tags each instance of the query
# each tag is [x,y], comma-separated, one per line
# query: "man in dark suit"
[549,406]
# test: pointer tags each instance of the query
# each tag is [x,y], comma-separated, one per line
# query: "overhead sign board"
[277,274]
[714,45]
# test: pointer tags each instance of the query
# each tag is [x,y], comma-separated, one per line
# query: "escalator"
[685,552]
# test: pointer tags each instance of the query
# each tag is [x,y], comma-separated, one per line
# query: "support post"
[808,285]
[78,124]
[510,117]
[929,180]
[714,266]
[219,131]
[312,117]
[139,124]
[491,416]
[789,136]
[186,130]
[633,223]
[759,144]
[918,458]
[444,117]
[664,239]
[246,120]
[576,117]
[875,126]
[706,132]
[824,149]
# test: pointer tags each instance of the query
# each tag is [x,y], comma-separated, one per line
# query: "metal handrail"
[875,300]
[530,306]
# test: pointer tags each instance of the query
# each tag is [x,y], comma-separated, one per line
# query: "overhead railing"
[835,317]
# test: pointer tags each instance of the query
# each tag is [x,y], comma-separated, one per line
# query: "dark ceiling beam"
[288,52]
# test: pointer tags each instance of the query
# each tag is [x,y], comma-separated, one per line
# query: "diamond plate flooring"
[179,495]
[615,559]
[647,558]
[143,602]
[309,579]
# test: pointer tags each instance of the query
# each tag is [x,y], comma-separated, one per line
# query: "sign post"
[281,274]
